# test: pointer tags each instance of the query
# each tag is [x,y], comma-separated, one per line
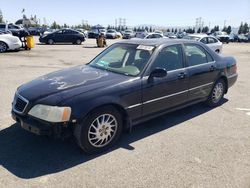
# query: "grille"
[20,104]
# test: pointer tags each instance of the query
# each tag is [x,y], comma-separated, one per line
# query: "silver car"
[210,41]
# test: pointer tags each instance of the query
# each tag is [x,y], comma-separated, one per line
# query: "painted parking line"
[247,110]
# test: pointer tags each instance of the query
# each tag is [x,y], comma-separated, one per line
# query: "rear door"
[163,93]
[202,71]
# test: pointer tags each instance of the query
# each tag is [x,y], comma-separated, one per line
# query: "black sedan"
[63,36]
[128,83]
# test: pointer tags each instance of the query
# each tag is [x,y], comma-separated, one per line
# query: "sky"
[168,13]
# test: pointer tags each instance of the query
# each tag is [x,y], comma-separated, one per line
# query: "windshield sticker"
[103,63]
[142,47]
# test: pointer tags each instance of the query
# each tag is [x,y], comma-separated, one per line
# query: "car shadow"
[29,156]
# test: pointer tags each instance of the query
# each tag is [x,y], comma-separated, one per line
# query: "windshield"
[111,31]
[191,37]
[127,59]
[128,31]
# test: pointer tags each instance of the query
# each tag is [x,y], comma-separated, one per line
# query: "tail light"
[234,69]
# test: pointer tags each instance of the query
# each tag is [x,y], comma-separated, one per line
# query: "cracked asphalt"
[193,147]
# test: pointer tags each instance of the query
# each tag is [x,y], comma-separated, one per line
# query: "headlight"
[51,113]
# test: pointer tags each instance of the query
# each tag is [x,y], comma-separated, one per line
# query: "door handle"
[212,68]
[181,75]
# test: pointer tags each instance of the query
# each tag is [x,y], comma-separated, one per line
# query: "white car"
[210,41]
[9,42]
[154,36]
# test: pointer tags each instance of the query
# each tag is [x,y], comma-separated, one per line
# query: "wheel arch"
[125,117]
[5,43]
[224,78]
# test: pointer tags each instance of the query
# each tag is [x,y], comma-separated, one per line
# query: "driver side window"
[170,58]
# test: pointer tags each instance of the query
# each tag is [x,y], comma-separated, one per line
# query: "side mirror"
[158,73]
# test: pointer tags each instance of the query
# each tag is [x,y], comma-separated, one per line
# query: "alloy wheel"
[102,130]
[217,92]
[3,47]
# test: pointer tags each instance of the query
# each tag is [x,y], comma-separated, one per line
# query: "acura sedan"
[63,36]
[128,83]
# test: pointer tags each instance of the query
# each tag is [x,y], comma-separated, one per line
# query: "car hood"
[69,82]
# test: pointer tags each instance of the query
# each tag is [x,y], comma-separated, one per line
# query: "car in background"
[85,32]
[130,82]
[233,37]
[48,31]
[16,30]
[154,36]
[141,34]
[111,34]
[210,41]
[35,31]
[170,35]
[242,38]
[9,42]
[128,34]
[63,36]
[158,31]
[222,36]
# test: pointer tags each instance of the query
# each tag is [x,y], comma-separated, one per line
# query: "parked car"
[222,36]
[242,38]
[210,41]
[95,102]
[233,37]
[111,34]
[154,36]
[141,34]
[63,36]
[16,30]
[170,35]
[128,34]
[9,42]
[158,31]
[34,31]
[85,32]
[48,31]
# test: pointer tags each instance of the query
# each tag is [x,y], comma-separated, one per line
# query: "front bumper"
[39,127]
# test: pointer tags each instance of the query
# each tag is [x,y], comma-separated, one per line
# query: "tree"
[205,29]
[240,28]
[146,28]
[216,28]
[1,16]
[168,30]
[229,29]
[245,28]
[55,25]
[175,31]
[150,29]
[199,30]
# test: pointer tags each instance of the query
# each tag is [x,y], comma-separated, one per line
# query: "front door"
[159,94]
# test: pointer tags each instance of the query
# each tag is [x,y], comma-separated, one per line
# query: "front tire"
[217,93]
[3,47]
[100,130]
[50,41]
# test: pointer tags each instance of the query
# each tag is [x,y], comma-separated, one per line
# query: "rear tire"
[100,130]
[78,42]
[3,47]
[217,93]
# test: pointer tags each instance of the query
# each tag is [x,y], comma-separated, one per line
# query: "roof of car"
[155,42]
